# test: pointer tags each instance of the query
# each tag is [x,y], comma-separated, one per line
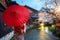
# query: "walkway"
[36,34]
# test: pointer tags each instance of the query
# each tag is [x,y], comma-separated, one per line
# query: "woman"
[19,32]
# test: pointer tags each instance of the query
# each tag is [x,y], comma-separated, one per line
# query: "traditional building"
[3,29]
[33,15]
[33,12]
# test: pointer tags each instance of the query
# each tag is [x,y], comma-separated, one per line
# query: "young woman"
[19,32]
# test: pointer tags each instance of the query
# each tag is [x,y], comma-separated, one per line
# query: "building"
[33,12]
[33,15]
[4,30]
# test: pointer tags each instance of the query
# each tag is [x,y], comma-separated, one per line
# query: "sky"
[35,4]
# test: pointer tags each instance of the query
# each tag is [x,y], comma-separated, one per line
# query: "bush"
[52,29]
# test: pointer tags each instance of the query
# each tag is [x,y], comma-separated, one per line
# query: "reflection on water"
[41,27]
[42,31]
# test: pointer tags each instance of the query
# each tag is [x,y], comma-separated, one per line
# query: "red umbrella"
[15,15]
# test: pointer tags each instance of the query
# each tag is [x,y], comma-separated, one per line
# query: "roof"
[31,8]
[3,5]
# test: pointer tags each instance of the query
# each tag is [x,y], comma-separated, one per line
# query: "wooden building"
[33,15]
[4,30]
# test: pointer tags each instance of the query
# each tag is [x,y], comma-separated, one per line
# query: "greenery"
[52,29]
[12,38]
[58,34]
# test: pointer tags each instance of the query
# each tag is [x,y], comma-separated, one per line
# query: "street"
[36,34]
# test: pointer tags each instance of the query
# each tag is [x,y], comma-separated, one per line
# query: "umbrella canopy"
[15,15]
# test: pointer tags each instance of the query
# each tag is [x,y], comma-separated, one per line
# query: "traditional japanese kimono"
[19,32]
